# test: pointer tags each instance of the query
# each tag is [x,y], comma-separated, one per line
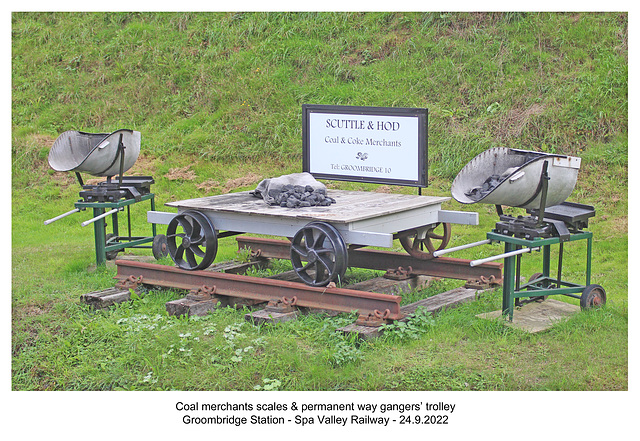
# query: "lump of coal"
[293,191]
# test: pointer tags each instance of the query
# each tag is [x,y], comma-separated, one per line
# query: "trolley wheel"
[110,255]
[545,285]
[160,246]
[593,296]
[319,254]
[436,238]
[191,240]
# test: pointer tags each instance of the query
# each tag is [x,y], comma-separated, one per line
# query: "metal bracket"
[483,282]
[375,319]
[561,229]
[282,305]
[130,282]
[399,273]
[202,293]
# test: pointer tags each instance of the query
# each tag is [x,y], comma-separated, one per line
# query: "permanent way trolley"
[320,236]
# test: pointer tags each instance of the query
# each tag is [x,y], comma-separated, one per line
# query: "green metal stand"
[116,242]
[544,284]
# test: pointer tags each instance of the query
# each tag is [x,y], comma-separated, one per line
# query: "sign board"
[382,145]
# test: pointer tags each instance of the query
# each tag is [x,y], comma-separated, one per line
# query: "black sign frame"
[422,115]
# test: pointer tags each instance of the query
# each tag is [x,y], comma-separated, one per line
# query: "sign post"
[382,145]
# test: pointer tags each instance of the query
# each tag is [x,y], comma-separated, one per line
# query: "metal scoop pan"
[512,177]
[94,153]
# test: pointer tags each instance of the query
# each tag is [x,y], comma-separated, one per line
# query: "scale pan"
[94,153]
[503,176]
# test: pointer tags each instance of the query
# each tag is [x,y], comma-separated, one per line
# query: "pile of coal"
[293,191]
[477,193]
[297,196]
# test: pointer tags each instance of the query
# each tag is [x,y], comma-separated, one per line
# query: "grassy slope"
[214,92]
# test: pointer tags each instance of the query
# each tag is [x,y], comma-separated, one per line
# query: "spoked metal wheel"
[110,255]
[421,243]
[159,246]
[593,296]
[192,241]
[319,254]
[532,282]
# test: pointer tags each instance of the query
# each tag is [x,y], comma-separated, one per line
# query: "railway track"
[373,308]
[396,264]
[208,284]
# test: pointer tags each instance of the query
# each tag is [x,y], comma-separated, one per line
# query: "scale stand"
[542,229]
[109,198]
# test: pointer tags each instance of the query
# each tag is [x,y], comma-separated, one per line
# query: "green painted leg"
[508,283]
[546,260]
[589,248]
[153,208]
[100,237]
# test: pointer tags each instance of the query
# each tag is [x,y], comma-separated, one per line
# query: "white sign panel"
[368,144]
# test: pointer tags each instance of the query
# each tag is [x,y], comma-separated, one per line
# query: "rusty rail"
[445,267]
[234,285]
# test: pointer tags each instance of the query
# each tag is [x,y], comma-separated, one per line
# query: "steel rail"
[234,285]
[446,267]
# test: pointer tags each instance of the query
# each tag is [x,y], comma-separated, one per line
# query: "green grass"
[218,96]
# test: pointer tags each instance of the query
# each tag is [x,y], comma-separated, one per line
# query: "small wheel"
[160,246]
[192,241]
[110,255]
[319,254]
[544,284]
[435,238]
[593,296]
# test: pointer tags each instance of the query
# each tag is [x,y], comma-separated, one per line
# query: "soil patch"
[184,174]
[242,181]
[383,189]
[208,185]
[516,120]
